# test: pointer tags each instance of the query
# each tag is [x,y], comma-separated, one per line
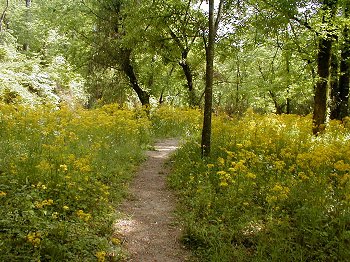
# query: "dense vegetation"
[270,191]
[268,181]
[62,175]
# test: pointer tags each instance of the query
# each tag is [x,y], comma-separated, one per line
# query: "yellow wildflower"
[54,215]
[344,179]
[277,188]
[303,176]
[116,241]
[2,193]
[341,166]
[223,183]
[101,256]
[82,215]
[210,166]
[251,175]
[221,161]
[34,238]
[48,202]
[63,168]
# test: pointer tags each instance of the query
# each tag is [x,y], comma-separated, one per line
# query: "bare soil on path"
[148,227]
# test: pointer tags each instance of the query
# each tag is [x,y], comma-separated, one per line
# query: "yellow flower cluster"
[44,203]
[34,238]
[101,256]
[83,216]
[277,193]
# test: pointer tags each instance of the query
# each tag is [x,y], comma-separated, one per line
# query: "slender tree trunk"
[344,79]
[288,100]
[323,64]
[238,82]
[161,98]
[189,78]
[28,5]
[334,84]
[128,69]
[208,104]
[3,15]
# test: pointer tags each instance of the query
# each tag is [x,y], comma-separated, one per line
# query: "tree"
[208,93]
[340,85]
[3,15]
[344,79]
[326,39]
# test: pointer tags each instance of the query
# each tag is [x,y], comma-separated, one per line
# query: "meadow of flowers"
[270,191]
[62,173]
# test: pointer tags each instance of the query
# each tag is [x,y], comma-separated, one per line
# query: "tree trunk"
[189,78]
[279,108]
[26,44]
[288,100]
[334,84]
[206,131]
[344,79]
[128,69]
[323,64]
[3,15]
[321,90]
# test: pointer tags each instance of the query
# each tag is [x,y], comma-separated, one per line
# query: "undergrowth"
[269,192]
[62,173]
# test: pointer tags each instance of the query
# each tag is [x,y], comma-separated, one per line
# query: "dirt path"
[148,229]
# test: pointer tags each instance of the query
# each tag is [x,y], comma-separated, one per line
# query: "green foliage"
[269,192]
[62,173]
[175,122]
[27,80]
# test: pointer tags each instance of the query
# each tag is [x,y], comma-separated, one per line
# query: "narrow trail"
[148,228]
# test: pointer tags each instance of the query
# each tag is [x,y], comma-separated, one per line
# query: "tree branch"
[218,17]
[3,14]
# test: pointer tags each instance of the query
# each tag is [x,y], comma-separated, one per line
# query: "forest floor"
[148,227]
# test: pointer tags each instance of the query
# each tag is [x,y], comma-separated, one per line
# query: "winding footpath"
[148,227]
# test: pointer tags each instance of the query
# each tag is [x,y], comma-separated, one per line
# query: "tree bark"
[323,64]
[334,84]
[321,90]
[28,5]
[3,15]
[186,68]
[208,104]
[288,100]
[129,71]
[189,78]
[279,108]
[344,79]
